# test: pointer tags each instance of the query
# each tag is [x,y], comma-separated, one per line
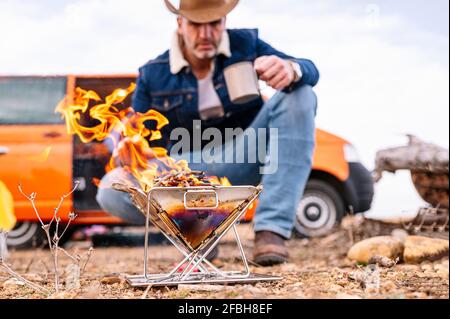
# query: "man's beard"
[199,54]
[205,55]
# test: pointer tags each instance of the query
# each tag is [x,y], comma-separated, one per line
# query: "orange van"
[43,158]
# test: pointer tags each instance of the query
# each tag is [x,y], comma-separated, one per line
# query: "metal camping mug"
[242,82]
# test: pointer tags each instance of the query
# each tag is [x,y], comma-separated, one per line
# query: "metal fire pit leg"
[146,246]
[245,274]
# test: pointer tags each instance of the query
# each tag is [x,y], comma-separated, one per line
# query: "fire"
[132,150]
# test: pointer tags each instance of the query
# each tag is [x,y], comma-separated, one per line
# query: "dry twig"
[54,239]
[25,281]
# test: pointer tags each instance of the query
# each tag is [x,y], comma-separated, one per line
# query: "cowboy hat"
[203,11]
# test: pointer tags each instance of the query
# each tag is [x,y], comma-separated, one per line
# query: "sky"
[384,64]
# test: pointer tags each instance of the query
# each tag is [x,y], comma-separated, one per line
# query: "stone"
[385,246]
[419,249]
[13,283]
[382,261]
[110,280]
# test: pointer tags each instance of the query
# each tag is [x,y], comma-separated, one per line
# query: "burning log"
[189,179]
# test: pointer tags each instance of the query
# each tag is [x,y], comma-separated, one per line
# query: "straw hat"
[203,11]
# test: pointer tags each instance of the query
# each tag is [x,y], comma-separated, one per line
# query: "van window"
[31,100]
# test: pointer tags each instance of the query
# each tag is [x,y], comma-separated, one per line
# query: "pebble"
[13,283]
[110,280]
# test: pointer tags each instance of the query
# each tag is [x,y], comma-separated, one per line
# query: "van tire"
[320,209]
[26,235]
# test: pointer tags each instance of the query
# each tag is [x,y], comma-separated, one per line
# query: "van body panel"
[40,159]
[329,155]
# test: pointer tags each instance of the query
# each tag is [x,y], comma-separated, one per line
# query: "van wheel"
[26,235]
[320,209]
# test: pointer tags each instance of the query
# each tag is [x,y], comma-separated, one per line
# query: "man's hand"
[276,72]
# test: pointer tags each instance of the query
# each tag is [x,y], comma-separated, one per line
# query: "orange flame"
[132,151]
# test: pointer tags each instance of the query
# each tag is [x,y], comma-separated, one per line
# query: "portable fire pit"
[194,219]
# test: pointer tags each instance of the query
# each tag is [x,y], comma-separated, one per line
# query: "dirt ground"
[318,269]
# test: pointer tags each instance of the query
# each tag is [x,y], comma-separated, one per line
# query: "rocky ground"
[319,268]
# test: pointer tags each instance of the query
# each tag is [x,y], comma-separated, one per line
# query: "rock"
[13,283]
[383,261]
[385,246]
[110,280]
[419,249]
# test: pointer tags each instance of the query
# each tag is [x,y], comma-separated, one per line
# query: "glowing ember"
[132,150]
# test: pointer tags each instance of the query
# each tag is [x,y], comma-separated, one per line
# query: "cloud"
[383,75]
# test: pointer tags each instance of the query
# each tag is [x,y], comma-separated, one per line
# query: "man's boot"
[269,249]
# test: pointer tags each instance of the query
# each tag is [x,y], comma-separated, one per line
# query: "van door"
[39,153]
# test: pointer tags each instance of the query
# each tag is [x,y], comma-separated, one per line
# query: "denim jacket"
[176,95]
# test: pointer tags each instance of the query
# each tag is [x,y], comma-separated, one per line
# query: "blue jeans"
[293,116]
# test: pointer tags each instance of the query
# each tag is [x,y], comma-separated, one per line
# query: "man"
[186,84]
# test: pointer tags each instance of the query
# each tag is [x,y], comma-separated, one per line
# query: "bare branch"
[53,243]
[63,197]
[75,259]
[88,256]
[25,281]
[32,198]
[72,217]
[144,296]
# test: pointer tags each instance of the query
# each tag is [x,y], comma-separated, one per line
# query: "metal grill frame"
[196,259]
